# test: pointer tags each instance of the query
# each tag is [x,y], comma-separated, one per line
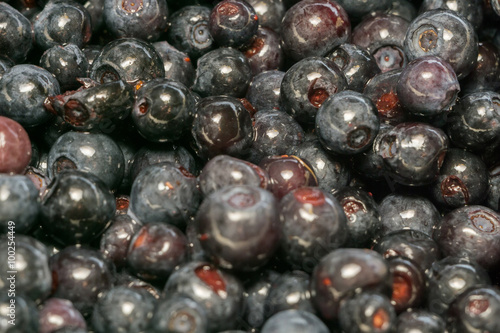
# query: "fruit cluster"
[250,166]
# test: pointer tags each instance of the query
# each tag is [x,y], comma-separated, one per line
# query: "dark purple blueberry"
[255,297]
[344,272]
[428,86]
[18,315]
[19,204]
[123,309]
[286,173]
[347,123]
[383,35]
[178,66]
[485,74]
[451,277]
[127,59]
[219,293]
[275,133]
[80,274]
[129,281]
[178,313]
[223,171]
[91,52]
[156,250]
[445,34]
[463,180]
[474,122]
[143,19]
[57,313]
[66,63]
[313,28]
[471,231]
[264,51]
[264,90]
[97,154]
[96,12]
[76,207]
[5,64]
[331,172]
[98,107]
[189,32]
[476,311]
[417,246]
[62,22]
[221,125]
[16,36]
[421,321]
[357,64]
[399,211]
[313,225]
[163,110]
[403,8]
[307,85]
[232,23]
[154,154]
[289,291]
[357,9]
[270,12]
[294,321]
[363,218]
[367,312]
[472,10]
[29,259]
[164,193]
[23,89]
[238,227]
[493,198]
[413,153]
[223,71]
[116,239]
[408,284]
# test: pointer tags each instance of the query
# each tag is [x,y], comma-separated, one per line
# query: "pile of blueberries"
[250,166]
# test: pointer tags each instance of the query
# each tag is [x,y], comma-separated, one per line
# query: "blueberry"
[409,284]
[26,315]
[403,8]
[493,197]
[255,296]
[57,314]
[264,51]
[178,313]
[471,10]
[270,12]
[19,203]
[5,64]
[178,66]
[16,35]
[264,90]
[294,321]
[419,320]
[484,75]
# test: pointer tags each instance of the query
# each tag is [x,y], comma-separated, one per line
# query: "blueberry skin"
[178,66]
[26,315]
[306,29]
[23,89]
[19,202]
[270,12]
[474,122]
[91,52]
[112,314]
[445,34]
[313,224]
[275,133]
[419,320]
[399,212]
[307,84]
[413,164]
[471,10]
[238,227]
[463,180]
[189,32]
[94,153]
[16,38]
[294,321]
[493,198]
[66,63]
[264,51]
[357,64]
[97,107]
[451,277]
[33,276]
[223,71]
[264,90]
[164,193]
[143,19]
[484,76]
[470,231]
[344,272]
[403,8]
[347,123]
[255,296]
[76,208]
[180,314]
[57,314]
[163,110]
[331,172]
[221,125]
[50,30]
[219,293]
[143,62]
[367,312]
[5,64]
[232,23]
